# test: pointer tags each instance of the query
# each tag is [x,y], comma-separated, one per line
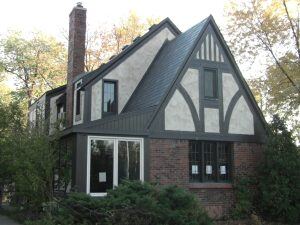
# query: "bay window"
[111,160]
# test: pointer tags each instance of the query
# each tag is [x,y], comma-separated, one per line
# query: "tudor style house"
[173,108]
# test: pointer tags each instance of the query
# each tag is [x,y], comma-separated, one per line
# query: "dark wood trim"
[105,69]
[191,106]
[229,111]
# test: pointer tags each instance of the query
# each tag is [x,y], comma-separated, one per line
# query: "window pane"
[109,104]
[195,169]
[78,102]
[210,82]
[129,160]
[101,170]
[224,161]
[209,167]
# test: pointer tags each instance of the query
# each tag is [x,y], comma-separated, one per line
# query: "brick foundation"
[169,164]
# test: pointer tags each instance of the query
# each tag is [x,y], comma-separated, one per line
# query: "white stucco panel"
[230,87]
[178,115]
[241,121]
[131,71]
[96,101]
[190,82]
[211,120]
[53,113]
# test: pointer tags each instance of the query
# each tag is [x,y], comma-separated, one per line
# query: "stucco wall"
[241,121]
[96,101]
[178,115]
[130,72]
[211,120]
[190,82]
[230,87]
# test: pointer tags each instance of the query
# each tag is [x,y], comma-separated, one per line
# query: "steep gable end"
[164,70]
[211,92]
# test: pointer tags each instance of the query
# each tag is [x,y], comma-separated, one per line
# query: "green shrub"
[244,194]
[279,183]
[133,203]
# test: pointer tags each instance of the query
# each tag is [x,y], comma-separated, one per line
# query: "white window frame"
[115,159]
[76,88]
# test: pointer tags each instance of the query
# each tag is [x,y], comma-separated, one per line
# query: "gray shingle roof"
[164,70]
[104,68]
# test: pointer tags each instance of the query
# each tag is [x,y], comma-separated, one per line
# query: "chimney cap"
[79,4]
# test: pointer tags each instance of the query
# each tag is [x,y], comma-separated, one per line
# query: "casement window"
[78,99]
[109,97]
[111,160]
[210,84]
[78,109]
[210,161]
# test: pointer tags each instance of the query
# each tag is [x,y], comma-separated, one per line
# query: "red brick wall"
[246,158]
[76,54]
[169,164]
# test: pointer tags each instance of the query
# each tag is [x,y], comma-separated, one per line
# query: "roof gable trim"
[106,68]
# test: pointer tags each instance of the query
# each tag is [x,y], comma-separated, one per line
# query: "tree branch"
[269,48]
[292,28]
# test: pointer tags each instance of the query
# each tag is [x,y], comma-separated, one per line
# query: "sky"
[52,16]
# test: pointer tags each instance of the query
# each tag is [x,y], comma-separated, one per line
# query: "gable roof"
[164,70]
[161,76]
[116,60]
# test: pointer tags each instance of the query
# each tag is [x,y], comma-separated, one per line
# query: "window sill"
[210,185]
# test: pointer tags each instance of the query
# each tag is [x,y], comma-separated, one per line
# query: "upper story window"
[210,83]
[78,104]
[78,99]
[209,161]
[110,97]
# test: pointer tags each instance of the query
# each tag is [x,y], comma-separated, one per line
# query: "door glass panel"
[101,170]
[128,160]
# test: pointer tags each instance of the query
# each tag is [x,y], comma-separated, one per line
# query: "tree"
[269,31]
[279,180]
[27,161]
[38,63]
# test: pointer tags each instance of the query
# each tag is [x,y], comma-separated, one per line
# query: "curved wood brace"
[230,108]
[191,105]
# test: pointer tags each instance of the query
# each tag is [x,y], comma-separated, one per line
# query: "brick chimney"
[76,53]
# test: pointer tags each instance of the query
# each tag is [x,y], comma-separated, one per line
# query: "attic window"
[109,97]
[210,84]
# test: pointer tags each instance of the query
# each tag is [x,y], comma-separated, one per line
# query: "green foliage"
[244,193]
[133,203]
[27,160]
[279,183]
[266,33]
[37,62]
